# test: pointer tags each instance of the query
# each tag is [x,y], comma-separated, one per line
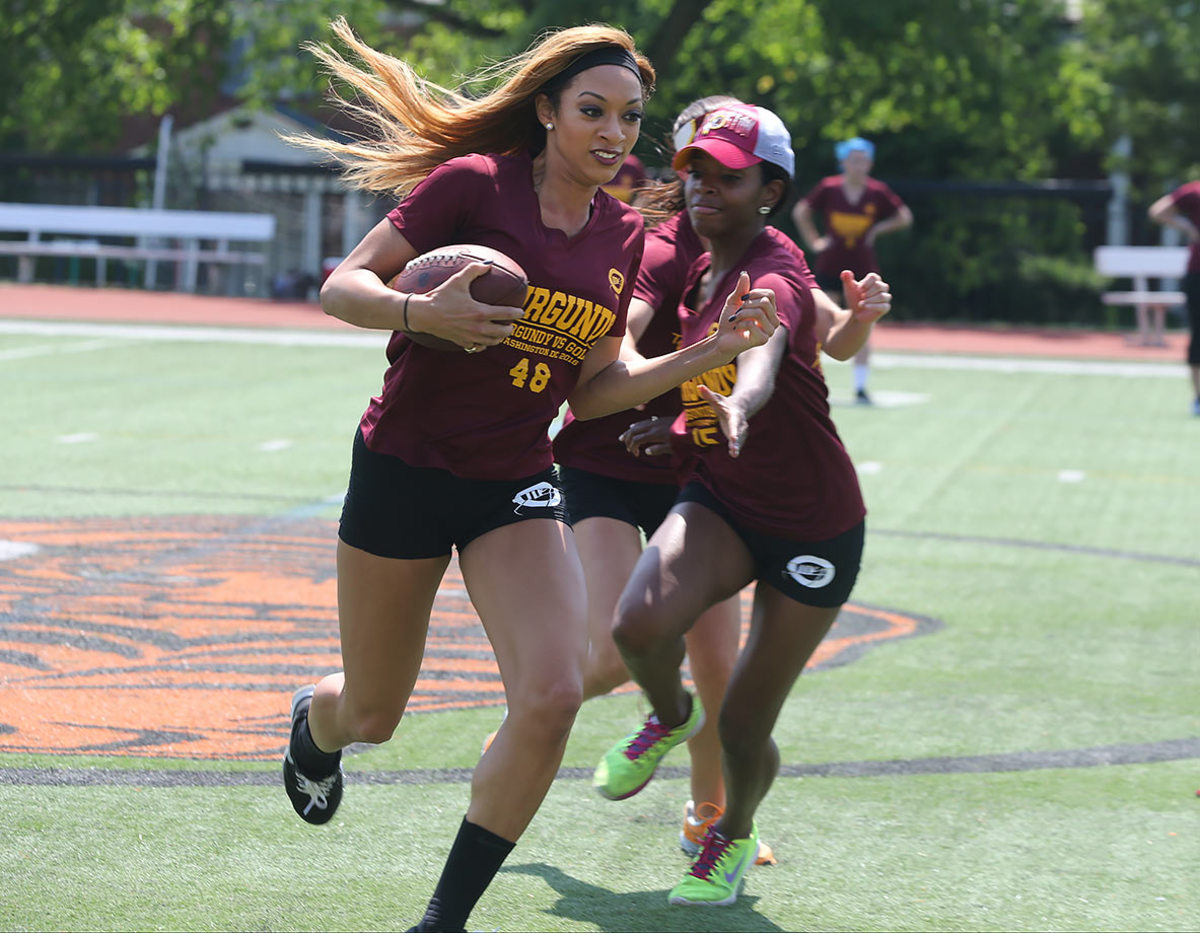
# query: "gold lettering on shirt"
[571,314]
[536,300]
[554,308]
[559,325]
[699,416]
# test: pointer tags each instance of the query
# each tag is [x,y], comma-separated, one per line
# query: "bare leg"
[783,636]
[712,648]
[863,356]
[527,584]
[693,561]
[383,616]
[862,372]
[609,549]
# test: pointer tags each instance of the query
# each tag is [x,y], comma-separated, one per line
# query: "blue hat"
[854,144]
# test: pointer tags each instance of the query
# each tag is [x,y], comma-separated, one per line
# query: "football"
[503,284]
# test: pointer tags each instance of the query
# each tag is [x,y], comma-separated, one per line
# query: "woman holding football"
[453,453]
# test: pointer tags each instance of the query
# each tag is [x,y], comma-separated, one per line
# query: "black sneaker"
[314,800]
[861,397]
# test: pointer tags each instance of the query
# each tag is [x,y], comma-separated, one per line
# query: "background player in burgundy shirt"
[453,452]
[770,496]
[613,497]
[854,209]
[1181,209]
[629,178]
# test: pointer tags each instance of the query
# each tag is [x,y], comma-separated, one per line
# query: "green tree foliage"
[1148,54]
[956,88]
[1014,90]
[73,68]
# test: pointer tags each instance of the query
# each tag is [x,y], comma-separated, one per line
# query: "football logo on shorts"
[616,280]
[539,496]
[810,571]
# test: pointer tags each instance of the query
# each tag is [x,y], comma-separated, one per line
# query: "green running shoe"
[631,763]
[718,871]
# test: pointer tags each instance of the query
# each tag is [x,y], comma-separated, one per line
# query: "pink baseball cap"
[739,136]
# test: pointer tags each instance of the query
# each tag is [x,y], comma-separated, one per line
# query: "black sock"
[474,859]
[311,761]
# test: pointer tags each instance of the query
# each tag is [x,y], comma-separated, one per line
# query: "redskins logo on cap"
[731,120]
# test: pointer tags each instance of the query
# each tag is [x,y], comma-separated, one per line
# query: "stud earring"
[765,209]
[549,126]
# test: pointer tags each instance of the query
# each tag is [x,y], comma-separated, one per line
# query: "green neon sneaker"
[718,872]
[630,764]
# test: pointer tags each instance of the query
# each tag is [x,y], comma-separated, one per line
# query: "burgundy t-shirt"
[671,249]
[793,478]
[594,445]
[485,415]
[846,223]
[1186,199]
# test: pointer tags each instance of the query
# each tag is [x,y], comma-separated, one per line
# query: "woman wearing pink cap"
[770,495]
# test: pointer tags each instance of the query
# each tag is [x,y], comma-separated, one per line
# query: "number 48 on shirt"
[538,381]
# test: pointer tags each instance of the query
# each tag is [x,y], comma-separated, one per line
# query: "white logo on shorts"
[810,571]
[539,496]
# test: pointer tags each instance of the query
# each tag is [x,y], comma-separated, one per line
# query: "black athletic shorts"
[815,573]
[396,510]
[590,495]
[1191,289]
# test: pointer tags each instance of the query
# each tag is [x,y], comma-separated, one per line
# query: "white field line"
[1012,365]
[378,339]
[246,335]
[45,349]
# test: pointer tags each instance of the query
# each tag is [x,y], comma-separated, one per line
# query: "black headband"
[605,55]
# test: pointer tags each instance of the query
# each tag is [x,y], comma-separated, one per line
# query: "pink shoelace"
[714,847]
[652,732]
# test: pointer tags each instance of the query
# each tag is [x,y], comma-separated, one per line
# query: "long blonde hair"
[422,124]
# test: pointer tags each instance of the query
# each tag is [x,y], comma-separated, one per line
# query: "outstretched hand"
[867,299]
[730,418]
[649,437]
[748,318]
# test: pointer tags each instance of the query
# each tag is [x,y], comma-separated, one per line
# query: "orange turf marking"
[185,636]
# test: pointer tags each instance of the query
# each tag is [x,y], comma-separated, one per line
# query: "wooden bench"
[186,238]
[1140,264]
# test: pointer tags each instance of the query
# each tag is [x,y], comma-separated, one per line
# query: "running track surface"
[62,303]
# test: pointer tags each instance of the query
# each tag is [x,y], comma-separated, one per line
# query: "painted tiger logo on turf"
[184,637]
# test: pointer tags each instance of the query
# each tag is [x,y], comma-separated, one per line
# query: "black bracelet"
[407,299]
